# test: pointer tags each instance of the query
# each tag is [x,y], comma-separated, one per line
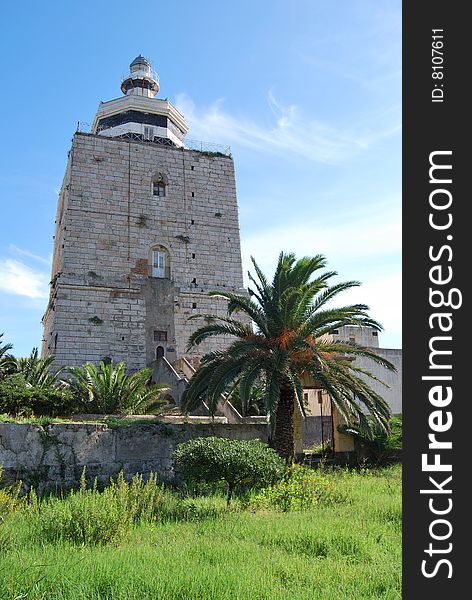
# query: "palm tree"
[291,340]
[108,389]
[37,371]
[7,361]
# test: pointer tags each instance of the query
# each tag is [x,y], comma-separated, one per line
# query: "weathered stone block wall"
[103,302]
[54,456]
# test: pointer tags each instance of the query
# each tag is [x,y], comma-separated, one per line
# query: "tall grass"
[341,550]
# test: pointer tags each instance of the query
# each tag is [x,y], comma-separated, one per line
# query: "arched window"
[160,262]
[159,184]
[159,352]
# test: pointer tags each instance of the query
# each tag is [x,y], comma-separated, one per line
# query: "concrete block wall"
[54,456]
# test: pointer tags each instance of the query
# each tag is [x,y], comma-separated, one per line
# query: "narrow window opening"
[160,263]
[160,335]
[158,188]
[193,194]
[148,133]
[193,254]
[193,168]
[192,222]
[194,305]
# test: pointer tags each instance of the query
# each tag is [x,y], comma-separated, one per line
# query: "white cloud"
[291,131]
[362,247]
[21,280]
[357,237]
[21,252]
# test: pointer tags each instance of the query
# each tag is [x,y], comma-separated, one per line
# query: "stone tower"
[145,228]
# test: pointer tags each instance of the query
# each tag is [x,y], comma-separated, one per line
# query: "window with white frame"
[160,263]
[148,132]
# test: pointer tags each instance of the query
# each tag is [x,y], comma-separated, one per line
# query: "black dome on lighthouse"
[140,60]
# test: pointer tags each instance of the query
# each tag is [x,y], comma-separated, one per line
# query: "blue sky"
[307,93]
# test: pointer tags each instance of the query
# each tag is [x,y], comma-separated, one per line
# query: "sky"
[306,92]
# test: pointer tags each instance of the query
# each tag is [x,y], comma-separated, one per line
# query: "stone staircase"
[177,376]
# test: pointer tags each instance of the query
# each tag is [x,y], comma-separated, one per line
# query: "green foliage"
[235,462]
[321,448]
[28,386]
[37,371]
[292,318]
[10,499]
[342,551]
[252,405]
[7,361]
[89,516]
[376,446]
[108,389]
[301,489]
[18,397]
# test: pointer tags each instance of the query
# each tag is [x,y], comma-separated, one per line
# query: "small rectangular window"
[158,189]
[194,305]
[160,335]
[148,133]
[335,331]
[158,264]
[375,334]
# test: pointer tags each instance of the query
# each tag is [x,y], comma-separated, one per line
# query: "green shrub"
[301,489]
[380,448]
[108,389]
[17,397]
[9,498]
[89,516]
[236,462]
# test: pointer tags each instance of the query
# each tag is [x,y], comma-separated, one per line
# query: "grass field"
[346,550]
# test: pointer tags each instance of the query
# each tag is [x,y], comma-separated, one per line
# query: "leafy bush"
[7,361]
[89,516]
[380,448]
[108,389]
[9,499]
[235,462]
[38,372]
[18,397]
[301,489]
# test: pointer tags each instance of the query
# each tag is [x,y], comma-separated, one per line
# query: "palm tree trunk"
[283,435]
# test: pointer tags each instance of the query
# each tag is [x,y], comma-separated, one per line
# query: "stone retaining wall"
[54,456]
